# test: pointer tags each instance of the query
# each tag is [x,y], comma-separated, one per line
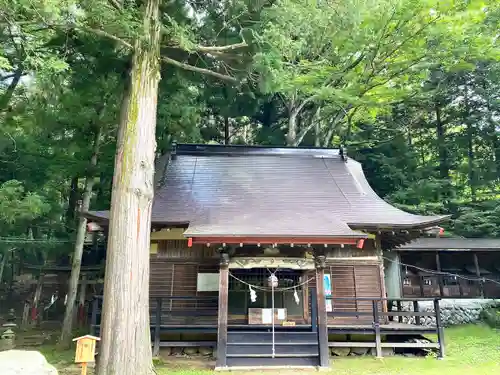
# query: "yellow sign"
[85,350]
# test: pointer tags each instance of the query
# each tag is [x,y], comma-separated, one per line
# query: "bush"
[491,316]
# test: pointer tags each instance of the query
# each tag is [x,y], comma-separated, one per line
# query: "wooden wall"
[354,273]
[173,272]
[174,268]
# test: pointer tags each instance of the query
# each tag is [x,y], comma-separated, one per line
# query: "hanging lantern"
[272,281]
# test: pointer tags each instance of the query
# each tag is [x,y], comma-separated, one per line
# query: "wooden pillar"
[156,345]
[324,356]
[221,361]
[421,284]
[93,318]
[380,254]
[440,277]
[376,328]
[416,309]
[314,310]
[478,274]
[399,309]
[439,329]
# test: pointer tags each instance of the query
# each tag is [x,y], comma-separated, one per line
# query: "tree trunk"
[291,136]
[317,134]
[65,339]
[9,92]
[495,143]
[444,169]
[72,201]
[470,157]
[470,145]
[125,332]
[226,130]
[2,264]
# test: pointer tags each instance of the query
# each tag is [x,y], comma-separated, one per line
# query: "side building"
[450,268]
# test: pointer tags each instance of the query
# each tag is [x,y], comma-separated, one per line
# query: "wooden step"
[267,337]
[269,355]
[304,342]
[288,362]
[266,350]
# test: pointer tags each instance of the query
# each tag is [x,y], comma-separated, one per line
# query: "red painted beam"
[278,240]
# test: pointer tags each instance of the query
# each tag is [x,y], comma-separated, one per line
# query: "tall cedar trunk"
[126,340]
[444,169]
[470,145]
[65,339]
[72,201]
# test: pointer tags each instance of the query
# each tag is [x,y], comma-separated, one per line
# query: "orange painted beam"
[278,240]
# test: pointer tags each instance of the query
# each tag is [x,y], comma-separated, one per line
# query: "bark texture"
[126,340]
[65,339]
[2,264]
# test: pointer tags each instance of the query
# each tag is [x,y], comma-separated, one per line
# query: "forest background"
[411,89]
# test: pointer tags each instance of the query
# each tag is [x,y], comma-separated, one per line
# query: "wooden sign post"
[85,351]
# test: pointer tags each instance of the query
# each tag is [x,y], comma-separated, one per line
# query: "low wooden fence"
[380,321]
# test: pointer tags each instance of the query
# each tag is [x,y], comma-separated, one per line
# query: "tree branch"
[116,4]
[107,35]
[301,106]
[192,68]
[219,49]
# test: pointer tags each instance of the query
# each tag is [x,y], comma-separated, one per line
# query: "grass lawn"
[470,350]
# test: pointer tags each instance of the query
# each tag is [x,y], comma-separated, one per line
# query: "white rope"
[264,289]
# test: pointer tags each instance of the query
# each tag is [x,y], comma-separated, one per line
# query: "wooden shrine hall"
[266,253]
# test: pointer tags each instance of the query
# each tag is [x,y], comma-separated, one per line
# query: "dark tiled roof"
[259,191]
[450,244]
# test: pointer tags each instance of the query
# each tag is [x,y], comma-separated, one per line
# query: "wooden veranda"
[379,327]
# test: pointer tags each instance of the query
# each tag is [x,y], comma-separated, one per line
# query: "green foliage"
[17,206]
[368,76]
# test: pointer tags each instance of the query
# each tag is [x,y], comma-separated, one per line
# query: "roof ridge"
[245,150]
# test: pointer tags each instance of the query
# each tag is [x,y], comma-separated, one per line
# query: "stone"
[21,362]
[453,311]
[190,351]
[165,352]
[340,352]
[386,352]
[359,351]
[206,351]
[177,351]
